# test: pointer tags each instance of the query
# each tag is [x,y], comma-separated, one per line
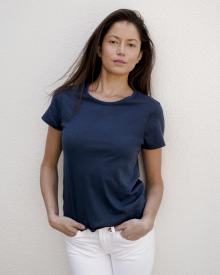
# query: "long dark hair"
[87,66]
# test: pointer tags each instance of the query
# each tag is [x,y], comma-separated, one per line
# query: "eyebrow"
[119,38]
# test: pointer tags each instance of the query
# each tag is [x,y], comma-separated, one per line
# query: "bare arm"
[49,185]
[152,169]
[135,228]
[49,174]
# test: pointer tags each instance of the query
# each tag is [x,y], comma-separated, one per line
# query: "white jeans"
[106,252]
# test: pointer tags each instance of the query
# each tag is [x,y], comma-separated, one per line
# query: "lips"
[119,61]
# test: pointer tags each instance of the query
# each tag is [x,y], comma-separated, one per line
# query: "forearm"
[154,197]
[49,190]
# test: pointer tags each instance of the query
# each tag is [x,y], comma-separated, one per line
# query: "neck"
[109,87]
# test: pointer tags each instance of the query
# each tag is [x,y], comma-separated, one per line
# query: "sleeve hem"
[153,146]
[50,123]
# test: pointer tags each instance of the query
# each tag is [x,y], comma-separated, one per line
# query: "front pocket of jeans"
[76,235]
[123,238]
[150,234]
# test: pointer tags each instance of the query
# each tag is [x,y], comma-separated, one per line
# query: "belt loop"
[113,228]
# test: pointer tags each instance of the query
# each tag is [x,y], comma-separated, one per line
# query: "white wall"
[39,41]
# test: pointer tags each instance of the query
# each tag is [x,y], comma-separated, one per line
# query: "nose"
[120,49]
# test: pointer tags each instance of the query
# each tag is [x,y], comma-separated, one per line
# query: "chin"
[118,70]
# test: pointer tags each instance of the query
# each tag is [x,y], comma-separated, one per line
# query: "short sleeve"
[52,115]
[154,131]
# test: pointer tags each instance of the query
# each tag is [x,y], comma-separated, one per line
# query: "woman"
[102,117]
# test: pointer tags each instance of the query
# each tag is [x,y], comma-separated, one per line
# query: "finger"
[73,233]
[79,226]
[120,227]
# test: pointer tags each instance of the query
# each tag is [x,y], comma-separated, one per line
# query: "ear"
[99,51]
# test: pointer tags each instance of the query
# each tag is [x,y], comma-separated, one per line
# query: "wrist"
[52,218]
[147,221]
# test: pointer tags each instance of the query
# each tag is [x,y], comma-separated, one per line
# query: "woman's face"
[122,42]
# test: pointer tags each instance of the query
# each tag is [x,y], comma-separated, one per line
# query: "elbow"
[48,164]
[156,183]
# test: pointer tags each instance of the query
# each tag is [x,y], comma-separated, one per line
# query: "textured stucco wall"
[39,41]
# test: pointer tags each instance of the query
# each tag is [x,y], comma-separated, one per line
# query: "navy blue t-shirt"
[101,143]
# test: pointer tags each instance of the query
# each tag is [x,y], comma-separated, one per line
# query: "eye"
[132,45]
[112,41]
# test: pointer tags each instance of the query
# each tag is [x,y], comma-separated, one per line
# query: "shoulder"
[64,96]
[64,93]
[149,103]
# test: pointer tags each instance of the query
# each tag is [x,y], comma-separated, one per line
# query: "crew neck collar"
[125,99]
